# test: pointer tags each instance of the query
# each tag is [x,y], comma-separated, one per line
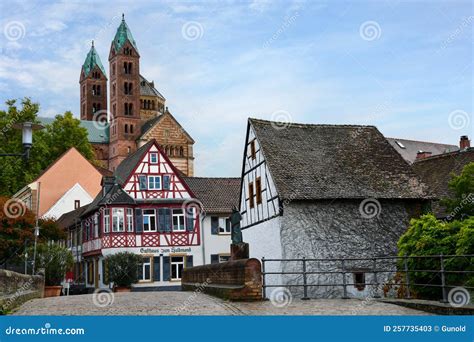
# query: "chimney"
[152,84]
[107,184]
[464,142]
[422,154]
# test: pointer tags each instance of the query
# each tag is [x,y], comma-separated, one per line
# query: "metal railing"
[396,265]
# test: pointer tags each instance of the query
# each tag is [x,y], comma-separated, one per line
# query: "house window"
[149,220]
[359,280]
[253,153]
[154,182]
[117,220]
[144,271]
[106,220]
[251,194]
[77,204]
[153,158]
[142,182]
[258,190]
[166,182]
[96,225]
[177,265]
[226,228]
[129,220]
[178,220]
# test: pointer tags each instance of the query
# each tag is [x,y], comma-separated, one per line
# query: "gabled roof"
[127,166]
[98,133]
[310,162]
[217,195]
[409,148]
[92,60]
[150,123]
[123,35]
[147,126]
[436,172]
[148,88]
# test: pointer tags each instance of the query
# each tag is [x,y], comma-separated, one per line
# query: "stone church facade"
[132,113]
[322,192]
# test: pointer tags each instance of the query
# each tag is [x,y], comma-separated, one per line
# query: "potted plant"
[55,260]
[123,270]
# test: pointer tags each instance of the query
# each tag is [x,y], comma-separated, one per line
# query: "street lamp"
[27,139]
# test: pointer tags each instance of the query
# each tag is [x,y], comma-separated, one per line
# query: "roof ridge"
[422,141]
[444,155]
[296,124]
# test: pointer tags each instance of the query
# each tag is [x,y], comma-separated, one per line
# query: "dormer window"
[154,158]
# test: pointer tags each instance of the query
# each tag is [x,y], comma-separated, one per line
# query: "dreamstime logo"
[458,297]
[281,297]
[192,30]
[14,208]
[191,206]
[370,30]
[100,118]
[14,31]
[281,119]
[459,119]
[370,208]
[103,297]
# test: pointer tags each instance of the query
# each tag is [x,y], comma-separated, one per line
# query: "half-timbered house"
[324,191]
[145,208]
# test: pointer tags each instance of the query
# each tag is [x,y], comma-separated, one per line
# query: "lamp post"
[27,139]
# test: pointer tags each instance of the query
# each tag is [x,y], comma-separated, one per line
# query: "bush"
[55,260]
[123,268]
[429,236]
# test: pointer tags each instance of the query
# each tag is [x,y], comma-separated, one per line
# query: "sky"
[403,66]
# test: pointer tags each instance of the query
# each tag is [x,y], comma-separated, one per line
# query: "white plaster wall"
[264,241]
[214,244]
[66,203]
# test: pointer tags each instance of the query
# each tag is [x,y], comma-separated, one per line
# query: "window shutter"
[142,181]
[214,258]
[161,220]
[167,212]
[166,182]
[138,220]
[214,225]
[156,268]
[189,261]
[166,268]
[189,219]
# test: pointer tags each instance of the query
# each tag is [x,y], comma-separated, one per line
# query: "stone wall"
[337,229]
[17,288]
[239,280]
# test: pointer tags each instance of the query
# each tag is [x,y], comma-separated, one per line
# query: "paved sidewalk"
[190,303]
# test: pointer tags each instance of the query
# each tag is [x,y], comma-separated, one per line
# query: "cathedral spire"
[123,35]
[92,60]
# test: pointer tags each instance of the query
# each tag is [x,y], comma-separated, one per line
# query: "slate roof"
[148,89]
[150,123]
[97,133]
[66,220]
[436,172]
[310,162]
[217,195]
[411,147]
[92,60]
[128,164]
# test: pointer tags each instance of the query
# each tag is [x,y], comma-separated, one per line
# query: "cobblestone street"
[190,303]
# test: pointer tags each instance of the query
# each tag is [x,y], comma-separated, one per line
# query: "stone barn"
[325,191]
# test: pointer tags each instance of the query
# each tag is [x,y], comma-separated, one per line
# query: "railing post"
[305,287]
[376,281]
[263,279]
[407,278]
[443,279]
[344,280]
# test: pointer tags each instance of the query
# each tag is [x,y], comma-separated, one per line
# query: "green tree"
[48,144]
[461,204]
[123,268]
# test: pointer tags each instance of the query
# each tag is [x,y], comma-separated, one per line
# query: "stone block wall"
[239,280]
[17,288]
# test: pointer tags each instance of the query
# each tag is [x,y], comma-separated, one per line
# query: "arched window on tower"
[153,105]
[125,108]
[131,129]
[93,89]
[113,89]
[98,90]
[129,67]
[94,108]
[130,109]
[126,128]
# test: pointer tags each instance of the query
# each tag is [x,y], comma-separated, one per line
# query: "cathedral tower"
[125,123]
[93,84]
